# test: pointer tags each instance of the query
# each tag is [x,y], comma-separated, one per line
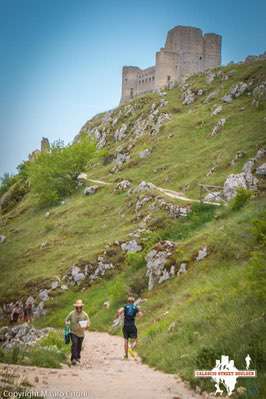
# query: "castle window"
[143,81]
[200,58]
[150,79]
[139,81]
[168,78]
[125,80]
[153,78]
[131,93]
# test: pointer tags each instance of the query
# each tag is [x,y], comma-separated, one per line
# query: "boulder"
[215,196]
[188,97]
[156,261]
[44,295]
[144,186]
[82,177]
[90,190]
[217,110]
[2,238]
[131,246]
[261,170]
[120,133]
[203,252]
[238,89]
[55,284]
[145,153]
[217,128]
[121,158]
[260,154]
[232,184]
[227,99]
[182,269]
[123,185]
[78,277]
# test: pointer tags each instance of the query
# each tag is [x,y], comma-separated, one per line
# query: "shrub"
[240,199]
[138,282]
[53,175]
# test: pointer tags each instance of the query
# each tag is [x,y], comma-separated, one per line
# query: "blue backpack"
[130,311]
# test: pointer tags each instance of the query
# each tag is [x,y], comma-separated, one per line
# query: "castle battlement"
[187,51]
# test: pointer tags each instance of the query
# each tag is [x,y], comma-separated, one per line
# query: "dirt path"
[167,192]
[103,374]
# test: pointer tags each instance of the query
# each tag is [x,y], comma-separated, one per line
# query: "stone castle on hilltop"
[187,50]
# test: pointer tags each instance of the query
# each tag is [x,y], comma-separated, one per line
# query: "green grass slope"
[218,306]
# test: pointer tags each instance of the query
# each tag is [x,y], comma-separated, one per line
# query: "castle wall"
[187,51]
[212,50]
[166,68]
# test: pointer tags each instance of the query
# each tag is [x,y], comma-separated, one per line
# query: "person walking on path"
[130,311]
[78,321]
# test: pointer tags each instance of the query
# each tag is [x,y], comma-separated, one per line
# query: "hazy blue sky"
[61,60]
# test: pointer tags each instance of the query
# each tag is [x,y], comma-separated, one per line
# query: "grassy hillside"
[218,306]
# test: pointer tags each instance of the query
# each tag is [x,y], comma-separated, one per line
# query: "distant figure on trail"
[79,321]
[28,313]
[130,311]
[16,311]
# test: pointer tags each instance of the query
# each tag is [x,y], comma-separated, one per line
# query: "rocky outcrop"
[245,180]
[261,170]
[22,335]
[90,190]
[203,252]
[157,259]
[123,185]
[145,153]
[131,246]
[2,238]
[218,127]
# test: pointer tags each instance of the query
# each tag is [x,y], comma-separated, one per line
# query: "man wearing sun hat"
[79,321]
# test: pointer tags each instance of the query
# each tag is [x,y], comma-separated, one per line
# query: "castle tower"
[212,50]
[129,82]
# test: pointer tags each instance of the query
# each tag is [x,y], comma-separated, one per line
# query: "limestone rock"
[120,133]
[188,97]
[55,284]
[21,335]
[123,185]
[2,238]
[44,295]
[131,246]
[261,170]
[156,260]
[90,190]
[215,196]
[217,110]
[182,269]
[227,99]
[203,252]
[121,158]
[239,89]
[260,154]
[259,94]
[82,177]
[217,128]
[232,184]
[145,153]
[144,186]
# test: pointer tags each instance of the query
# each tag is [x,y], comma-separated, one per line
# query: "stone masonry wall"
[187,51]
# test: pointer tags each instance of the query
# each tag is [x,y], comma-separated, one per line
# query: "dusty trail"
[103,374]
[167,192]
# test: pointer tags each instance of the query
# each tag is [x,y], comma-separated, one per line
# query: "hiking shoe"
[132,353]
[125,357]
[73,362]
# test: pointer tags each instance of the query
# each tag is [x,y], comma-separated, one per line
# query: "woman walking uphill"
[79,321]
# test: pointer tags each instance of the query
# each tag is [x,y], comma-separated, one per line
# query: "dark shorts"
[130,331]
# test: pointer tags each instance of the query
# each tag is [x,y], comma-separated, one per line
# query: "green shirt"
[74,317]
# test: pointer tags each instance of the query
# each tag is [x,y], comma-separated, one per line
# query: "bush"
[240,199]
[6,182]
[53,175]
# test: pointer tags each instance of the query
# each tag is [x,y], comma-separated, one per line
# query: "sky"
[61,60]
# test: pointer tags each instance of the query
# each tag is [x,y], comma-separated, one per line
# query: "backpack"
[66,335]
[130,311]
